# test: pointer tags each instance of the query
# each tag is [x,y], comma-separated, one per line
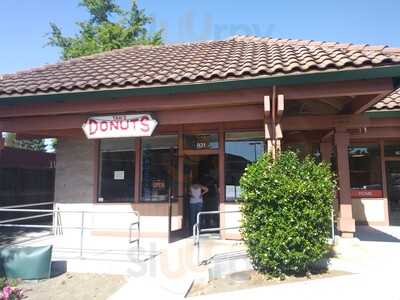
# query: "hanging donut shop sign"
[102,127]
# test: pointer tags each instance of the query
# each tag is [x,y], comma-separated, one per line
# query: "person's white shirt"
[196,194]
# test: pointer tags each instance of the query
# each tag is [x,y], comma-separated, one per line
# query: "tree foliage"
[33,144]
[286,212]
[108,28]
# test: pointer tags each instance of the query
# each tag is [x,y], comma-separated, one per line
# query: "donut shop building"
[136,127]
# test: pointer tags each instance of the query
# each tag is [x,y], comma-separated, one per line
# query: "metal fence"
[56,227]
[197,230]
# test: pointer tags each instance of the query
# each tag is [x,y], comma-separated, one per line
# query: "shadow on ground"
[371,234]
[9,236]
[58,268]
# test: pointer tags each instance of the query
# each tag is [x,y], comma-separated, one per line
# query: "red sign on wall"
[119,126]
[355,193]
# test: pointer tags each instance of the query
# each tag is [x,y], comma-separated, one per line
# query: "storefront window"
[117,169]
[392,149]
[241,148]
[365,167]
[201,141]
[159,168]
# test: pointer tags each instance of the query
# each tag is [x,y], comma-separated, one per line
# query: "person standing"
[197,191]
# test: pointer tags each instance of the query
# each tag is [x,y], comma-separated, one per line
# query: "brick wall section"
[74,172]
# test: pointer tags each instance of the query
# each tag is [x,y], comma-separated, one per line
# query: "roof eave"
[387,113]
[392,71]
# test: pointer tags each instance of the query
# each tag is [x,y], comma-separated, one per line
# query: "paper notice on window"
[119,175]
[230,192]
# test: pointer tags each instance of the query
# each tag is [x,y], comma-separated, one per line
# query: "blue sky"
[24,23]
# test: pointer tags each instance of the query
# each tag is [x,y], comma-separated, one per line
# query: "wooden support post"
[181,171]
[273,111]
[346,223]
[138,163]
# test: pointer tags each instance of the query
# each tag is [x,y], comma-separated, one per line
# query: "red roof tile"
[235,58]
[390,102]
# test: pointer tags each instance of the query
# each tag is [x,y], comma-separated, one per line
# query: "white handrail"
[26,218]
[197,228]
[56,213]
[27,205]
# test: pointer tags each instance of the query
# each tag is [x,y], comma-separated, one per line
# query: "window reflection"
[117,169]
[392,149]
[159,168]
[241,148]
[365,166]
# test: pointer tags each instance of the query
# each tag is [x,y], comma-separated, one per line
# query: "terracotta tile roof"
[235,58]
[390,102]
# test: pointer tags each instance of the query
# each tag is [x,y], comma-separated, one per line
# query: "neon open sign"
[101,127]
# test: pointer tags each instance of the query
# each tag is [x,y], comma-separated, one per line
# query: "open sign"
[117,126]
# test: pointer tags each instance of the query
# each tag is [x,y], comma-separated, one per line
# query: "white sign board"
[119,175]
[101,127]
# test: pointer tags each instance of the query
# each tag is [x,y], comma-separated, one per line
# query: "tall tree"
[109,27]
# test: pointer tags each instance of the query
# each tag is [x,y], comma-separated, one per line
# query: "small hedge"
[286,213]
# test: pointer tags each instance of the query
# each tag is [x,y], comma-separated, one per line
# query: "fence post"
[82,224]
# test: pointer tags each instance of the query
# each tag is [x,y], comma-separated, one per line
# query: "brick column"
[346,223]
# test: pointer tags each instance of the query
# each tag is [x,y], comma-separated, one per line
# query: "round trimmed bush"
[286,208]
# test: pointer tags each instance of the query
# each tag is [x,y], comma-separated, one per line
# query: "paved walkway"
[167,270]
[374,259]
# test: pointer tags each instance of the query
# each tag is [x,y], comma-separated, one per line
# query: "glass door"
[201,174]
[393,186]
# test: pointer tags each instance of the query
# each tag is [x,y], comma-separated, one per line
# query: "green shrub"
[286,212]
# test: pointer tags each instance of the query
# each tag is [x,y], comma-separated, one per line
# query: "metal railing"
[197,230]
[57,228]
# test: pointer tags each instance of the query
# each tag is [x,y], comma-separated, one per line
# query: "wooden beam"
[138,103]
[337,89]
[335,103]
[332,121]
[362,103]
[196,100]
[253,114]
[202,116]
[378,133]
[217,115]
[33,124]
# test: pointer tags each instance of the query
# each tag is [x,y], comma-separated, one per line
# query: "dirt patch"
[71,286]
[251,279]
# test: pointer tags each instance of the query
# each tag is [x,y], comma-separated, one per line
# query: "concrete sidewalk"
[373,258]
[171,274]
[370,286]
[168,270]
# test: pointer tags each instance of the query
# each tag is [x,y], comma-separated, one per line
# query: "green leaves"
[100,10]
[33,144]
[101,34]
[286,207]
